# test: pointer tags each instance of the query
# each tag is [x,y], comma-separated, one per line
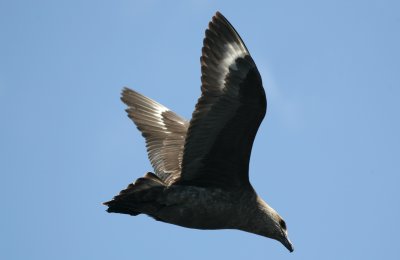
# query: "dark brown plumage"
[201,168]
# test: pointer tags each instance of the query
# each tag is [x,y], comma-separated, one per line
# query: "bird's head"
[281,234]
[272,225]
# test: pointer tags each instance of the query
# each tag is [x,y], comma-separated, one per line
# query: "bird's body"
[201,167]
[197,207]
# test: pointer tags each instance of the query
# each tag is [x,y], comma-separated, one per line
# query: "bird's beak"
[286,242]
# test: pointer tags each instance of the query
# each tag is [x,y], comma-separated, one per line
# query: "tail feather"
[139,197]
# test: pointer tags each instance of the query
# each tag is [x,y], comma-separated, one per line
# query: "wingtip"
[219,14]
[125,91]
[219,22]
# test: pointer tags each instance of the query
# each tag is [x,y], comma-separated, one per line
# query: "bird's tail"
[139,197]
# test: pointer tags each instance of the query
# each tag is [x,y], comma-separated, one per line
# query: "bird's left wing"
[228,113]
[164,131]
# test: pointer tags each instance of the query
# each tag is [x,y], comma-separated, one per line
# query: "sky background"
[326,156]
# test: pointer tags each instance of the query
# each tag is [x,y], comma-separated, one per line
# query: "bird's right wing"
[164,131]
[228,113]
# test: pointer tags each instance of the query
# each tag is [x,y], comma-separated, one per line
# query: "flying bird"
[201,167]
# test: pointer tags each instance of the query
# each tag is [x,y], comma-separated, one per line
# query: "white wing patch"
[232,51]
[159,111]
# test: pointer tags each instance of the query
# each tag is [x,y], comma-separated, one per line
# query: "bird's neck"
[260,218]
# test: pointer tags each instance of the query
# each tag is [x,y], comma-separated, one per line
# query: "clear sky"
[326,156]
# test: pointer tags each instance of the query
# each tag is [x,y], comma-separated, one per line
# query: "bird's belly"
[199,208]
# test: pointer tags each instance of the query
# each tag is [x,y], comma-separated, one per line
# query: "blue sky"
[326,156]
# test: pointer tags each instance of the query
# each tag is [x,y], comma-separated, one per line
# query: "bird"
[201,166]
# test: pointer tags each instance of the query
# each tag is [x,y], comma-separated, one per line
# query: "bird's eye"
[283,224]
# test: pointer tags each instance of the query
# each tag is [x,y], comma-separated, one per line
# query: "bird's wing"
[164,131]
[228,113]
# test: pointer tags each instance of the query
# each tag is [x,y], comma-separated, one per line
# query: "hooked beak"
[286,242]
